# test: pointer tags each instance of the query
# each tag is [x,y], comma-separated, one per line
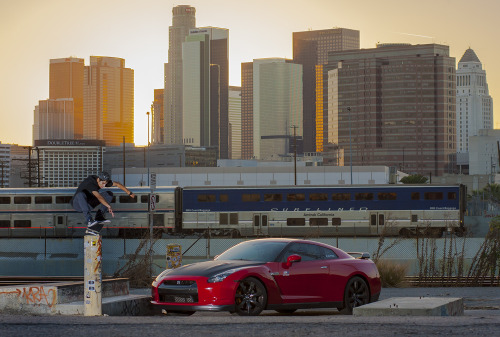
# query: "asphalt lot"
[482,318]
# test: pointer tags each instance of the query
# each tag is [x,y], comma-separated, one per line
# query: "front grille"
[178,291]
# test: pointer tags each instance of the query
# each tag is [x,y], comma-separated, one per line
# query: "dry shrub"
[392,274]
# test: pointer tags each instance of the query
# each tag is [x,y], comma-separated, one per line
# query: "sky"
[34,31]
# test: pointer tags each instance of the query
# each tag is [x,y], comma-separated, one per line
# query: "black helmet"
[104,176]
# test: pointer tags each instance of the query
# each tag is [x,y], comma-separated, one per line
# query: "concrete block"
[413,306]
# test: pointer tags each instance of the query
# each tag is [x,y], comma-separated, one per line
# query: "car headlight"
[222,276]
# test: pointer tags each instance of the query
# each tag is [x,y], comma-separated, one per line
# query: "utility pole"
[294,153]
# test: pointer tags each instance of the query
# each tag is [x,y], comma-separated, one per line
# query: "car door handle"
[324,267]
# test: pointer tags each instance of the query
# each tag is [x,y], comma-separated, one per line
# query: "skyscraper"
[276,107]
[183,19]
[62,114]
[108,101]
[474,103]
[234,112]
[157,126]
[310,48]
[394,106]
[205,88]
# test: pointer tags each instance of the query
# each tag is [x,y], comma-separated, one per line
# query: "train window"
[273,197]
[4,200]
[363,196]
[381,220]
[452,195]
[223,198]
[206,197]
[336,221]
[318,196]
[387,196]
[341,196]
[46,199]
[415,196]
[414,218]
[4,223]
[295,197]
[318,222]
[433,195]
[22,200]
[60,220]
[22,223]
[373,220]
[248,197]
[125,199]
[295,222]
[63,199]
[144,199]
[233,218]
[223,217]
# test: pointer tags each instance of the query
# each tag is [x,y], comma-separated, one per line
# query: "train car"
[301,211]
[46,212]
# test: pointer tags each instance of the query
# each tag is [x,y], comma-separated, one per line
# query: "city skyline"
[33,32]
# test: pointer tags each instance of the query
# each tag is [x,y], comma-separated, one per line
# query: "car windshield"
[262,251]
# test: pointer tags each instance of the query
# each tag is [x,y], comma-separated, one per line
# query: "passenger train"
[291,211]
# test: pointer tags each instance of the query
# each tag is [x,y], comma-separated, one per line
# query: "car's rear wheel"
[250,298]
[356,294]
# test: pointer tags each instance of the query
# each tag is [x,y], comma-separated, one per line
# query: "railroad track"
[452,281]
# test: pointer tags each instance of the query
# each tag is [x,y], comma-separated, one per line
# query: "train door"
[260,224]
[377,222]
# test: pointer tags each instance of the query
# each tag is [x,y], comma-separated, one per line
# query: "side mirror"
[293,258]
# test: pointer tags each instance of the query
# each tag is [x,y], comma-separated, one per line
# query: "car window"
[308,252]
[254,250]
[327,254]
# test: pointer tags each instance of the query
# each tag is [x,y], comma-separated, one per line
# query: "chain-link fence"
[51,257]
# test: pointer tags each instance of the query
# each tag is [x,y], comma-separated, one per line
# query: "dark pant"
[84,204]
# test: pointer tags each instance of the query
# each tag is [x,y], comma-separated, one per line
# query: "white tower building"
[474,103]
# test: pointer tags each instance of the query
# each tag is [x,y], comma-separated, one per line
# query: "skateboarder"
[88,196]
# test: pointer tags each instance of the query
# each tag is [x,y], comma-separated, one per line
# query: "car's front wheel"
[356,294]
[250,298]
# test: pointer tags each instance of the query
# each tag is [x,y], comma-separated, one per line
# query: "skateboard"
[95,229]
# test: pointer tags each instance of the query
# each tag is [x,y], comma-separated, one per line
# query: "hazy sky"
[34,31]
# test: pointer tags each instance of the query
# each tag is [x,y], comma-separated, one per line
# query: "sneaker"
[99,216]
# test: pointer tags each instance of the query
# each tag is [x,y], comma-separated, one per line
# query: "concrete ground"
[481,318]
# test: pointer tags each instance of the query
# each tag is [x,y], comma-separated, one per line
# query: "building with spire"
[183,19]
[474,105]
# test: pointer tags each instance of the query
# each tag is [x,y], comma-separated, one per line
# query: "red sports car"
[278,274]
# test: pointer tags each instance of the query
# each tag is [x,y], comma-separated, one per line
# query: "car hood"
[210,268]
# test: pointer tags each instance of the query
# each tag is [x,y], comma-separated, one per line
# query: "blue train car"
[325,210]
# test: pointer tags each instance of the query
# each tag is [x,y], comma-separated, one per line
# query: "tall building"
[61,115]
[66,81]
[183,19]
[394,106]
[157,126]
[276,108]
[108,101]
[247,110]
[310,48]
[234,113]
[5,165]
[474,103]
[55,119]
[205,88]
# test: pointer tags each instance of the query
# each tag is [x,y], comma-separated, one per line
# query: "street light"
[147,114]
[294,153]
[350,139]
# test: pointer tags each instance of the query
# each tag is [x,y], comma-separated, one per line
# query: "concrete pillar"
[93,275]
